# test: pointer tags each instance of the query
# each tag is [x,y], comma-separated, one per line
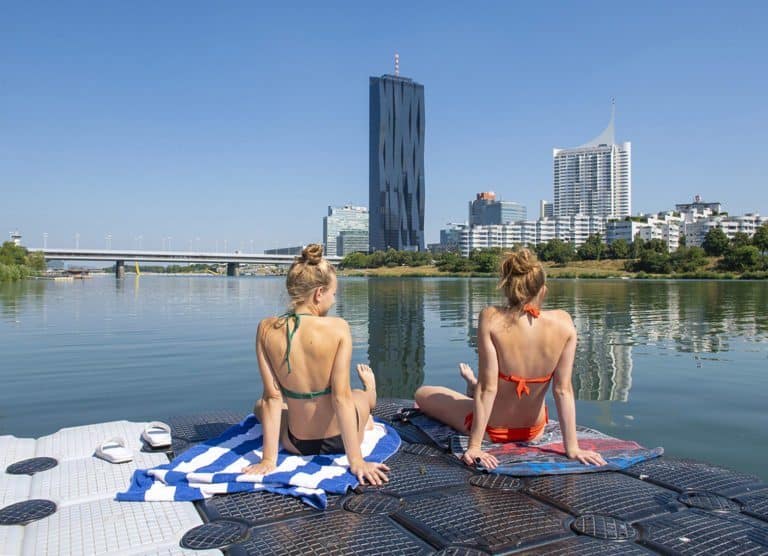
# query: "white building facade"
[341,219]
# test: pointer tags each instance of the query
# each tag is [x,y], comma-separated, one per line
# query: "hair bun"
[312,254]
[520,262]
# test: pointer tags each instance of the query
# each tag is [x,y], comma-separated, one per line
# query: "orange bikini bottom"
[506,434]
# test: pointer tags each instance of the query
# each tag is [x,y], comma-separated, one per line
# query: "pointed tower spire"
[608,135]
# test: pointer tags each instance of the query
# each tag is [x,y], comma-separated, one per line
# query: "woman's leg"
[445,405]
[365,400]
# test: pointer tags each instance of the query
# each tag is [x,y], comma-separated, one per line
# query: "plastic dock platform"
[432,505]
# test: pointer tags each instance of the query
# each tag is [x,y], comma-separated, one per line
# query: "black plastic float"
[27,511]
[604,527]
[216,534]
[31,466]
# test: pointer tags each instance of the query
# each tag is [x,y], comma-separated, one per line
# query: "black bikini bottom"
[320,446]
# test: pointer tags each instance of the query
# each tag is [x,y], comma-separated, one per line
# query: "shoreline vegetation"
[719,258]
[16,263]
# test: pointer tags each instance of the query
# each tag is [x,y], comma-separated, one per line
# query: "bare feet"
[369,382]
[468,375]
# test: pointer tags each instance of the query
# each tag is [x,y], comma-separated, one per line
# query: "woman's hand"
[370,472]
[261,468]
[587,457]
[475,456]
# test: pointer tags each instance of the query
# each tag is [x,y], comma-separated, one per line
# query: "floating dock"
[57,499]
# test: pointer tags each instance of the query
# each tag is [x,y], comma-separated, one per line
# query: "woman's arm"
[562,389]
[271,410]
[344,407]
[485,393]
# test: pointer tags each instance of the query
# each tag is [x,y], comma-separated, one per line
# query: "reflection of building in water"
[396,335]
[352,306]
[603,366]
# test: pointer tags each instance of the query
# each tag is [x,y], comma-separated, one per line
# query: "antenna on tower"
[397,64]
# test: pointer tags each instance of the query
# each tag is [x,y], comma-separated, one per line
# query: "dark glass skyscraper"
[396,169]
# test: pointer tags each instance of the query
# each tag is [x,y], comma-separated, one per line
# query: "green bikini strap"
[289,333]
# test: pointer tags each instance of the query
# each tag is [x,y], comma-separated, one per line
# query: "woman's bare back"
[312,353]
[526,347]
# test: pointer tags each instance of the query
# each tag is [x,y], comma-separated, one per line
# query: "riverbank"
[608,268]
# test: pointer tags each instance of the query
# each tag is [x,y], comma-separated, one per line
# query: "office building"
[352,241]
[486,210]
[546,209]
[341,219]
[396,163]
[594,179]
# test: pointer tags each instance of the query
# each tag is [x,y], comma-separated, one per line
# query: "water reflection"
[613,318]
[396,335]
[16,296]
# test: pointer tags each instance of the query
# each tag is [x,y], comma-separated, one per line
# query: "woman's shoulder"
[559,316]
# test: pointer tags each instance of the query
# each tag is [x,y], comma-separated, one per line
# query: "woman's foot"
[468,375]
[369,383]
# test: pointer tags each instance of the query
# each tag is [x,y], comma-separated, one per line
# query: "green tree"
[653,262]
[688,259]
[741,259]
[638,245]
[558,251]
[715,242]
[619,249]
[593,249]
[355,260]
[36,261]
[658,245]
[10,253]
[740,239]
[760,239]
[486,260]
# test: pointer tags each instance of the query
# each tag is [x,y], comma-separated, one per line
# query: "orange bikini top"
[522,383]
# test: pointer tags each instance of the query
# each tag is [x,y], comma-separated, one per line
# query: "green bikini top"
[296,317]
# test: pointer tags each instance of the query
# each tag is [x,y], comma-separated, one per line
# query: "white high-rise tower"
[594,179]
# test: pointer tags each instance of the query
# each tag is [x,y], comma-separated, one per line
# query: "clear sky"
[232,121]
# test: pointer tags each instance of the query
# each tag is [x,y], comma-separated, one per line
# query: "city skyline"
[182,135]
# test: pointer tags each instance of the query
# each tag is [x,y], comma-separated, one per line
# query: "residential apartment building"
[594,179]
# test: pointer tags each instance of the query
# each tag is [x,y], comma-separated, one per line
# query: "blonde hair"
[521,277]
[308,272]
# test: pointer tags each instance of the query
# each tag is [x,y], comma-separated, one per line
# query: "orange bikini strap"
[532,310]
[522,383]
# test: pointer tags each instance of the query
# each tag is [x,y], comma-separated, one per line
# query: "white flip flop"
[157,434]
[114,451]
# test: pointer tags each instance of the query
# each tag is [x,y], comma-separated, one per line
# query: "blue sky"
[238,122]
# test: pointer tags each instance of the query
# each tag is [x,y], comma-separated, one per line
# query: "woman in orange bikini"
[304,357]
[521,349]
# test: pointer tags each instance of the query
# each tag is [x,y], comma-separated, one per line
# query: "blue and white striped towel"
[214,467]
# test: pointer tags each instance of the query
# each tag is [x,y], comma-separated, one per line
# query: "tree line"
[16,262]
[740,254]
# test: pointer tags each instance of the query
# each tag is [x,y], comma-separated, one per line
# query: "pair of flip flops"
[114,450]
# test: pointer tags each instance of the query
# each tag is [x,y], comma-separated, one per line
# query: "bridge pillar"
[233,269]
[119,269]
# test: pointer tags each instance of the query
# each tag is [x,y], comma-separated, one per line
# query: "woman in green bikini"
[304,358]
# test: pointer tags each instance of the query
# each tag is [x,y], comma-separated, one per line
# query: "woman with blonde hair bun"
[304,358]
[521,349]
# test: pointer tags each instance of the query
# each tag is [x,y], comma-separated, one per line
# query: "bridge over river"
[120,256]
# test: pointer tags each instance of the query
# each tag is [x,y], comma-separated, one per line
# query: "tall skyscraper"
[486,210]
[342,219]
[594,179]
[396,163]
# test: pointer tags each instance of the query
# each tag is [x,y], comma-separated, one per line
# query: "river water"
[678,364]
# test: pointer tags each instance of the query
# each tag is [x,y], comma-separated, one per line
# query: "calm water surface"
[676,364]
